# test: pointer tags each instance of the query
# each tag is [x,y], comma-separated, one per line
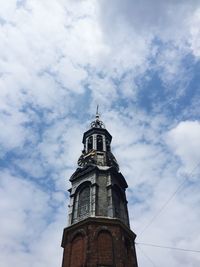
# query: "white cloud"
[27,229]
[136,32]
[185,143]
[22,205]
[12,132]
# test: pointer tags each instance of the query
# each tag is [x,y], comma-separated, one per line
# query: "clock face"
[81,161]
[92,158]
[86,158]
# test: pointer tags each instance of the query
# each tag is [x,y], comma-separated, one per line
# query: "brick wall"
[95,243]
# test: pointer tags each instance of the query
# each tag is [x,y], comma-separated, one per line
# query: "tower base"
[99,242]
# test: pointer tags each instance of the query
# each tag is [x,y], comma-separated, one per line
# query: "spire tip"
[97,112]
[97,123]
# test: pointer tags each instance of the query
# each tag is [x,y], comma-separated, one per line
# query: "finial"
[97,112]
[97,123]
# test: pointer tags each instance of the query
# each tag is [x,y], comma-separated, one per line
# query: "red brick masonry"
[99,242]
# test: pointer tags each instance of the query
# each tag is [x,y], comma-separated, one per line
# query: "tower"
[98,232]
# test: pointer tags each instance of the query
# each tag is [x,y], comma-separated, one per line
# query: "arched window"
[105,249]
[116,202]
[99,142]
[90,143]
[84,202]
[119,203]
[77,248]
[107,145]
[81,202]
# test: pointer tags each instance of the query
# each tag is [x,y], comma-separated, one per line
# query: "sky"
[140,62]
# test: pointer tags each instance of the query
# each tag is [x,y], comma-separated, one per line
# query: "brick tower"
[98,232]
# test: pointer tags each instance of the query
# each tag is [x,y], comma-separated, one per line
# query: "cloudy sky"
[140,61]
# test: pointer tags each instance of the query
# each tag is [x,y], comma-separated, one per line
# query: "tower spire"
[97,112]
[97,123]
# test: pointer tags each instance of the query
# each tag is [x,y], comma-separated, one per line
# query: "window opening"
[99,142]
[77,248]
[84,202]
[117,204]
[90,143]
[107,145]
[105,249]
